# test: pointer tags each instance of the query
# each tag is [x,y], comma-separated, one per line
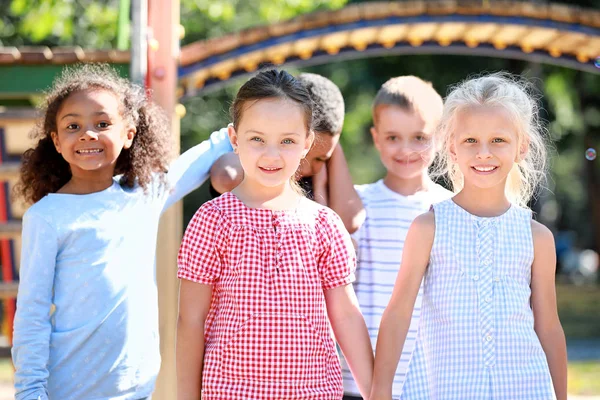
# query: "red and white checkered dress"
[267,333]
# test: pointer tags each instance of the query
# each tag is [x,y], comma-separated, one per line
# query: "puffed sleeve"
[200,256]
[337,261]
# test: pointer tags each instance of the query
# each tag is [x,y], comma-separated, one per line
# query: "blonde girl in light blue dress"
[489,326]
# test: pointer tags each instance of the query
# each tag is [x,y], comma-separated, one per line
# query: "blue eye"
[256,139]
[470,140]
[288,141]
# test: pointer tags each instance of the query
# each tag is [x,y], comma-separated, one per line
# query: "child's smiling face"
[91,132]
[485,146]
[271,139]
[404,141]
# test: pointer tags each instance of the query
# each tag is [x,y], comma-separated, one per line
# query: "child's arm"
[194,304]
[199,268]
[543,301]
[319,186]
[337,263]
[343,198]
[396,317]
[191,168]
[352,335]
[32,327]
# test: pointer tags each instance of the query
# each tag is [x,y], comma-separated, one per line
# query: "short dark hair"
[329,103]
[272,84]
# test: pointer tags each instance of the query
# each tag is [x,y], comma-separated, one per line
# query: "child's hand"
[320,189]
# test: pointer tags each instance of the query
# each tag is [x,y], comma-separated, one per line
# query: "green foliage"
[92,23]
[209,18]
[86,23]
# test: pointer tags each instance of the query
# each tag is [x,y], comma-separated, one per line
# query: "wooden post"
[163,53]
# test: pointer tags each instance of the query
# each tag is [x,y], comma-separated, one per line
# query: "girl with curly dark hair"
[99,178]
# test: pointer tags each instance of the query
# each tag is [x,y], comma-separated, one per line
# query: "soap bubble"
[590,154]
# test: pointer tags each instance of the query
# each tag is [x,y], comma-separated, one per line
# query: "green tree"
[93,24]
[86,23]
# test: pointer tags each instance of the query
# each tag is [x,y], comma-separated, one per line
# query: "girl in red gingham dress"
[266,273]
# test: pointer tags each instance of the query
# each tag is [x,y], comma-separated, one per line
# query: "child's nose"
[89,134]
[484,152]
[406,148]
[272,152]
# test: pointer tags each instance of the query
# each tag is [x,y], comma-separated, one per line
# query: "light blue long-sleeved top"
[92,257]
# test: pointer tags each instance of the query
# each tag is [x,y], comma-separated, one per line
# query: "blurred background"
[569,205]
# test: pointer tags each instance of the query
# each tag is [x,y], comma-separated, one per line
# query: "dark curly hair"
[328,103]
[45,171]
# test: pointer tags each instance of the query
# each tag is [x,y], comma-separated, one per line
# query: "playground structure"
[548,33]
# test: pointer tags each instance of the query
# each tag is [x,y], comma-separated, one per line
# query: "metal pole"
[123,33]
[138,68]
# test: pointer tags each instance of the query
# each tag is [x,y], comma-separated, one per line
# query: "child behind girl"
[263,268]
[98,179]
[406,111]
[489,326]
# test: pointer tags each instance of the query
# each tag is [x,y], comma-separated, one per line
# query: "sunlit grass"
[6,371]
[584,378]
[578,308]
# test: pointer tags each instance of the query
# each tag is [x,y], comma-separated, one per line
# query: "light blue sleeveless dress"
[476,338]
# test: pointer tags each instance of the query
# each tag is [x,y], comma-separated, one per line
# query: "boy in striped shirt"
[406,111]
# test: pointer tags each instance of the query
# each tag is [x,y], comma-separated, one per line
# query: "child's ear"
[523,149]
[54,137]
[310,139]
[233,137]
[130,134]
[373,131]
[452,151]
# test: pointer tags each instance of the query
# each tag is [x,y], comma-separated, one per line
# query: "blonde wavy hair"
[518,98]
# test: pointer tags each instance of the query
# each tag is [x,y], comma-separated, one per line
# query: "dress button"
[488,299]
[497,279]
[475,277]
[489,338]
